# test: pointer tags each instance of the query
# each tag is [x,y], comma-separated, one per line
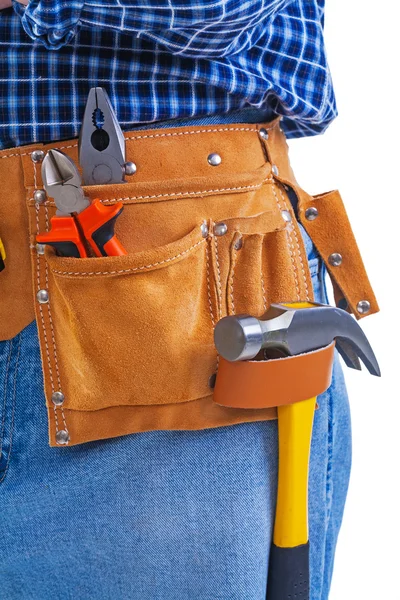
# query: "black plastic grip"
[104,233]
[288,573]
[65,249]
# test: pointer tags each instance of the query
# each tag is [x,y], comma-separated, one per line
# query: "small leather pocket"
[261,271]
[129,329]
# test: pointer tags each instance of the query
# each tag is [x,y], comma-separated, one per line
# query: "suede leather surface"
[331,233]
[129,340]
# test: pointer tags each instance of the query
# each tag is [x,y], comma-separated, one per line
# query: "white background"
[359,155]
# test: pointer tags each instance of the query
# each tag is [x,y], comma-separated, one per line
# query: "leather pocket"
[127,342]
[129,328]
[261,271]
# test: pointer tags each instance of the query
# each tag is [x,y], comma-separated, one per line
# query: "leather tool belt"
[127,341]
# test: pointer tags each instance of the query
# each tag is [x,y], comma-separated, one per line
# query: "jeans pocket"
[9,361]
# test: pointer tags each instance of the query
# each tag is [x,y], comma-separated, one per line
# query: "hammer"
[288,330]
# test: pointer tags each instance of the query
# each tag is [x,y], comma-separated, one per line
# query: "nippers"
[78,223]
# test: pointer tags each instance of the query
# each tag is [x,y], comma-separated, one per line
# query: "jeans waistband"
[243,115]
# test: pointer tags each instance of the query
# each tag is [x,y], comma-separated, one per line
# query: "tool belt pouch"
[127,341]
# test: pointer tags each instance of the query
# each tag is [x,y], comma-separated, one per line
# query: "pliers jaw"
[62,182]
[101,142]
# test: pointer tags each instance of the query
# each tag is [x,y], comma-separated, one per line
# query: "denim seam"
[14,395]
[298,250]
[3,420]
[329,491]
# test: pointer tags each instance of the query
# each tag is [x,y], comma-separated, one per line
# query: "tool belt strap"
[127,342]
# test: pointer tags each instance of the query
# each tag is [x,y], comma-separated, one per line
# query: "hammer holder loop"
[272,383]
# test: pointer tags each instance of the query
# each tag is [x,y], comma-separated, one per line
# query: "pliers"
[102,143]
[79,223]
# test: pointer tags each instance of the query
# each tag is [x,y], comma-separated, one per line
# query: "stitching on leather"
[219,286]
[197,131]
[3,420]
[157,135]
[263,289]
[289,244]
[46,342]
[28,153]
[209,285]
[10,155]
[53,339]
[182,194]
[133,269]
[235,256]
[13,408]
[298,251]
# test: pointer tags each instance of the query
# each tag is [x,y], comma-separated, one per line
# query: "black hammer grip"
[288,573]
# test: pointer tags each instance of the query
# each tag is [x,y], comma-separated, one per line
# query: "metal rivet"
[62,437]
[220,228]
[42,296]
[204,229]
[212,380]
[238,244]
[286,216]
[363,307]
[37,156]
[311,213]
[40,248]
[275,170]
[57,398]
[214,159]
[263,133]
[39,196]
[130,168]
[335,259]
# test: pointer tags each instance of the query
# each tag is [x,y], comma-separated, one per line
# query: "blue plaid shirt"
[159,60]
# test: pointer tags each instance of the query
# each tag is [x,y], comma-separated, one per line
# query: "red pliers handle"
[94,226]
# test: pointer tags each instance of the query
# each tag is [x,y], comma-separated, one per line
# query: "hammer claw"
[349,356]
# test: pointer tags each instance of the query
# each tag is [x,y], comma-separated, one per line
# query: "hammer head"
[289,331]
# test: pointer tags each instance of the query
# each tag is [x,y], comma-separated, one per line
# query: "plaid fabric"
[159,60]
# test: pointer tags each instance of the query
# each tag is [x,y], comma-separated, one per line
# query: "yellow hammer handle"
[295,423]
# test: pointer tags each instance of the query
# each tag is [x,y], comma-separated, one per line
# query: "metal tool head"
[62,181]
[101,141]
[292,331]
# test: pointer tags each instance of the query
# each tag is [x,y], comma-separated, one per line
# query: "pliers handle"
[95,224]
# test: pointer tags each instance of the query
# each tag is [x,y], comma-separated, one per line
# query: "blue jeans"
[159,515]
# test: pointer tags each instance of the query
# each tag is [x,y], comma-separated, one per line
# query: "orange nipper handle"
[64,236]
[98,222]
